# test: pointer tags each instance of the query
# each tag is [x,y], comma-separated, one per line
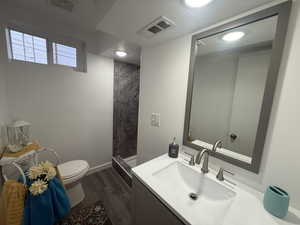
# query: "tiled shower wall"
[126,105]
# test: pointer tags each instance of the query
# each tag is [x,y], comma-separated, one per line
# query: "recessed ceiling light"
[121,53]
[197,3]
[233,36]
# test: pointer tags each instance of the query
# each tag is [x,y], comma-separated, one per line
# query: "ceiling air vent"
[155,27]
[67,5]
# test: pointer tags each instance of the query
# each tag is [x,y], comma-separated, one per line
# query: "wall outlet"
[155,120]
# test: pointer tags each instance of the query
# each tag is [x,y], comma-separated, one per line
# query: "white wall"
[163,89]
[3,108]
[71,112]
[3,105]
[163,83]
[3,102]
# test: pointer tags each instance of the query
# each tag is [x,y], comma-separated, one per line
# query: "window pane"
[64,55]
[29,48]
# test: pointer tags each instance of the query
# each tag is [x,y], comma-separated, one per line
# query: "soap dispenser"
[173,149]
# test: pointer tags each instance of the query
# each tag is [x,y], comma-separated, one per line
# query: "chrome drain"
[193,196]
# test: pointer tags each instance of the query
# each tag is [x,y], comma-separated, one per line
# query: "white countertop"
[254,213]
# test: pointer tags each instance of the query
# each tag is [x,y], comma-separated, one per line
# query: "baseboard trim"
[99,168]
[107,165]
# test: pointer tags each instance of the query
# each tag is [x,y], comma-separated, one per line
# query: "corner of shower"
[124,166]
[125,118]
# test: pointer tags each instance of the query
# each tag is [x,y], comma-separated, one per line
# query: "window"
[45,49]
[64,55]
[29,48]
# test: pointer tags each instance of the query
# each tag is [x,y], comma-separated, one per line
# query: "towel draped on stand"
[49,207]
[12,203]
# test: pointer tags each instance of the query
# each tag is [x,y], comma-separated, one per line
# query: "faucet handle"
[192,159]
[220,175]
[227,171]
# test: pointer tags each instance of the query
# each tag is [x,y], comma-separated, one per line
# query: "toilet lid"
[72,168]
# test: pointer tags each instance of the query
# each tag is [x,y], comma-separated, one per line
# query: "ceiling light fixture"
[121,53]
[233,36]
[197,3]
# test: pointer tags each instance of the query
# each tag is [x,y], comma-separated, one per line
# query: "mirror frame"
[283,12]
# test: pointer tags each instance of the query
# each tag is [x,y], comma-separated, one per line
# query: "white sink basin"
[187,181]
[185,187]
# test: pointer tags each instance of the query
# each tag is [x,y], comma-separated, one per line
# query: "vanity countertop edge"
[144,170]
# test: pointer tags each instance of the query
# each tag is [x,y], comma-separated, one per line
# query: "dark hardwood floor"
[109,187]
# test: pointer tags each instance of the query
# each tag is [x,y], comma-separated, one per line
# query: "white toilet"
[71,173]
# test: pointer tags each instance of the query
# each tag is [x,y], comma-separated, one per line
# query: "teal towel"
[47,208]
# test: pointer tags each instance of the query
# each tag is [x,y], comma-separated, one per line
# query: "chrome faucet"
[217,144]
[204,153]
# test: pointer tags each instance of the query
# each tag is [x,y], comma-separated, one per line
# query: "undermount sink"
[191,183]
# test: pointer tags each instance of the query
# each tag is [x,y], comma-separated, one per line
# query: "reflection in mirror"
[230,74]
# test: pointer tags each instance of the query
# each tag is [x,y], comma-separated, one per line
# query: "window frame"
[55,58]
[11,55]
[81,63]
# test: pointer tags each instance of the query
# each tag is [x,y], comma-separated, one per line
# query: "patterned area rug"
[90,215]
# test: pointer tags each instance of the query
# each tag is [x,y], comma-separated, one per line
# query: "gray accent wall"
[126,105]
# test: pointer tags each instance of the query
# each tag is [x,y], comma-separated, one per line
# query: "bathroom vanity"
[170,191]
[148,209]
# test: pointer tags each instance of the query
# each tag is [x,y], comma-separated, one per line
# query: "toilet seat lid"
[72,168]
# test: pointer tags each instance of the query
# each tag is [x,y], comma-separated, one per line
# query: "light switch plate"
[155,120]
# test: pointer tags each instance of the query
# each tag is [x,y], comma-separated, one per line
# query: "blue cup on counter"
[276,201]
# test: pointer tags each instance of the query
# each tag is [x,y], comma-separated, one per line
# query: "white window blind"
[64,55]
[29,48]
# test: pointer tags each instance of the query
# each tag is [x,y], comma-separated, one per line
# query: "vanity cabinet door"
[148,210]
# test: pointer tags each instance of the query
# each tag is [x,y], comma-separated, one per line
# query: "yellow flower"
[35,171]
[47,164]
[49,170]
[51,173]
[38,187]
[46,169]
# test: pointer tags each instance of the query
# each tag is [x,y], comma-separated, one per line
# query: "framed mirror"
[232,80]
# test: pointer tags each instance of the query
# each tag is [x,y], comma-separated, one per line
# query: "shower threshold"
[123,168]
